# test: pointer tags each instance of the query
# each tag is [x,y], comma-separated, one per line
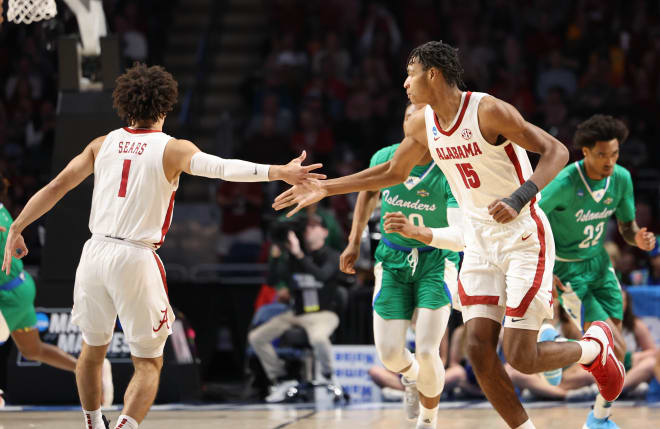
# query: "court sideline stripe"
[283,425]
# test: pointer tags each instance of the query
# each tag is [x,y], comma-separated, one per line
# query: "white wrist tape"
[233,170]
[448,238]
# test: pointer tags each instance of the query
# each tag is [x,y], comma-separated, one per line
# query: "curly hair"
[599,128]
[144,94]
[442,56]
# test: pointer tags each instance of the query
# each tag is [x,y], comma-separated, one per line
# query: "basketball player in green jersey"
[411,275]
[579,202]
[17,292]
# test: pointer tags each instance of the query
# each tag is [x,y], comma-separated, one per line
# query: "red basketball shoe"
[606,369]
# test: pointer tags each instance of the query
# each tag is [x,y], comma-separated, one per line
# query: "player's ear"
[585,151]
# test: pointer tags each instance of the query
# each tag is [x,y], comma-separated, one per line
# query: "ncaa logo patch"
[42,322]
[466,134]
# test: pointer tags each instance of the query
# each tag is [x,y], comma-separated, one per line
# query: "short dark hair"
[442,56]
[144,94]
[599,128]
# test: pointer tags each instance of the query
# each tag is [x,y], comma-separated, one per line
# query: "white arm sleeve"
[450,237]
[233,170]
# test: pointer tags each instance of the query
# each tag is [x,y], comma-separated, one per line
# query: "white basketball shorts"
[507,270]
[121,278]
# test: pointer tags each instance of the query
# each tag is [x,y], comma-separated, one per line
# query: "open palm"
[295,173]
[301,195]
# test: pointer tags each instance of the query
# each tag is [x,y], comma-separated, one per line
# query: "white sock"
[427,416]
[413,371]
[602,407]
[527,425]
[93,419]
[126,422]
[590,351]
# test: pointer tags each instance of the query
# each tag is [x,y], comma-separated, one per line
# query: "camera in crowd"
[280,227]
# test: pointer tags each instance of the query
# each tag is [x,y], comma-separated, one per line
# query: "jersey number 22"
[589,231]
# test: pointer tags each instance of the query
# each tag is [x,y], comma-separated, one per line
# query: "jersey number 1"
[469,176]
[124,178]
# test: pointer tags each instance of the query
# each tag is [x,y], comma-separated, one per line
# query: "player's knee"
[96,339]
[148,364]
[521,359]
[425,354]
[476,352]
[480,354]
[148,349]
[523,365]
[391,355]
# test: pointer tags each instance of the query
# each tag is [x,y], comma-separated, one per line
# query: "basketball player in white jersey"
[479,142]
[136,173]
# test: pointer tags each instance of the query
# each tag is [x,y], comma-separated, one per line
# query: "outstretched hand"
[15,247]
[294,173]
[302,195]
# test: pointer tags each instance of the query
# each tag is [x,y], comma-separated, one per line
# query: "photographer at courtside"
[308,274]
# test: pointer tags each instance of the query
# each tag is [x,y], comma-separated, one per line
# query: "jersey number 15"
[469,176]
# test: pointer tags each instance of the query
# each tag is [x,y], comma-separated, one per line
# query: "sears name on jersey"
[582,216]
[458,152]
[132,147]
[396,201]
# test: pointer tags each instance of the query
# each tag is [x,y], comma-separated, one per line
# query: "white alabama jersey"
[132,198]
[478,172]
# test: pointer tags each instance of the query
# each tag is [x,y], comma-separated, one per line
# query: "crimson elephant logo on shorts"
[163,321]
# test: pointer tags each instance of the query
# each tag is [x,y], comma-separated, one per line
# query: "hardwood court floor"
[280,417]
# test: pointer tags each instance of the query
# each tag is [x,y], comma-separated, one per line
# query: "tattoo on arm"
[628,231]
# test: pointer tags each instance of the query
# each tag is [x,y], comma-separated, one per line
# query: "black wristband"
[521,196]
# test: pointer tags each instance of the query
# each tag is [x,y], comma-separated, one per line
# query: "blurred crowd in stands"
[332,74]
[330,83]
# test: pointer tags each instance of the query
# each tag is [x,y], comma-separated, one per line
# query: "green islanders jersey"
[424,197]
[16,264]
[579,208]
